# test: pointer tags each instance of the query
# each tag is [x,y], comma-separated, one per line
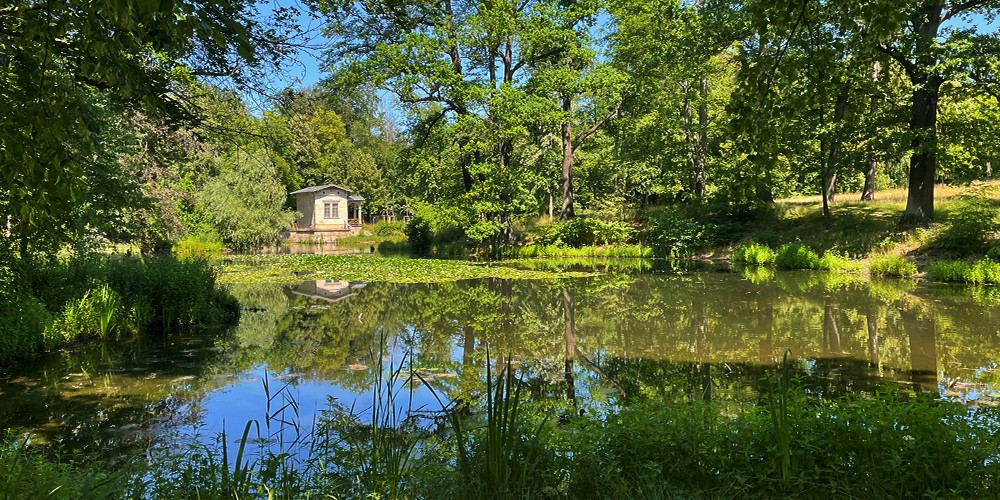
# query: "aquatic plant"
[247,269]
[777,400]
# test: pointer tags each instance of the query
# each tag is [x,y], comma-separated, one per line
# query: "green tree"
[246,201]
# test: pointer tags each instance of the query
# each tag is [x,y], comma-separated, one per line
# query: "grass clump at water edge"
[754,254]
[796,256]
[892,266]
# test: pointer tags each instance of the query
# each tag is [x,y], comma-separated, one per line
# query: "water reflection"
[582,343]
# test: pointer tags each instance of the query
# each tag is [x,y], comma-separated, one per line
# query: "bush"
[420,234]
[585,231]
[393,247]
[832,261]
[891,266]
[176,292]
[754,254]
[986,271]
[674,234]
[983,272]
[948,271]
[389,228]
[796,256]
[109,298]
[23,320]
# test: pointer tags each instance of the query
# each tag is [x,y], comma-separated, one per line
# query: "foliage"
[986,271]
[420,235]
[99,313]
[586,231]
[245,202]
[674,234]
[892,266]
[23,319]
[389,228]
[193,246]
[109,298]
[72,75]
[833,261]
[796,256]
[948,270]
[611,251]
[29,473]
[754,254]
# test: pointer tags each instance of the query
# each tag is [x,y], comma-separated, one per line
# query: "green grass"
[980,272]
[249,269]
[796,256]
[754,254]
[858,228]
[892,266]
[833,261]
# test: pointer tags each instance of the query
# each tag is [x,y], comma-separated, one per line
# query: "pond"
[580,344]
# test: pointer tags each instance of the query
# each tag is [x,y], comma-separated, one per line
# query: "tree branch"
[582,137]
[961,8]
[908,66]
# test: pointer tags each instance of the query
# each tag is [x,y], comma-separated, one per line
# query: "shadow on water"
[583,343]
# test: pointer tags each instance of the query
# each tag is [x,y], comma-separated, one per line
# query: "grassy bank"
[966,224]
[52,303]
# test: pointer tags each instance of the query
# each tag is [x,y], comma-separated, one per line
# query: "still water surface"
[580,344]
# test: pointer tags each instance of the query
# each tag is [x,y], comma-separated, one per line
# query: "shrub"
[23,320]
[389,228]
[892,266]
[585,231]
[674,234]
[985,271]
[754,254]
[832,261]
[99,313]
[948,271]
[796,256]
[170,292]
[420,233]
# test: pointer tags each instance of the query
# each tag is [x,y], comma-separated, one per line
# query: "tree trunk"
[868,193]
[701,159]
[923,350]
[830,329]
[569,335]
[567,162]
[833,162]
[923,121]
[551,203]
[687,114]
[872,319]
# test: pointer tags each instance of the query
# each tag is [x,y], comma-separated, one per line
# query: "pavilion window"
[331,210]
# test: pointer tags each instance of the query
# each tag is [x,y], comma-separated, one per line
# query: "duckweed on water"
[249,269]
